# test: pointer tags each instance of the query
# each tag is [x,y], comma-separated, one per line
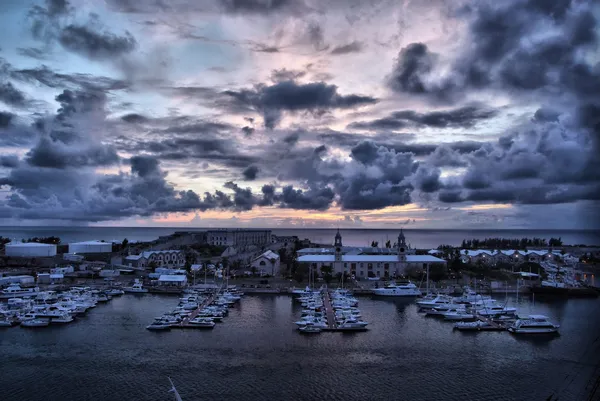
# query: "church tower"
[338,246]
[402,248]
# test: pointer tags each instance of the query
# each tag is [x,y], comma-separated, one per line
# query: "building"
[238,238]
[493,257]
[177,280]
[267,263]
[380,264]
[90,247]
[166,258]
[29,249]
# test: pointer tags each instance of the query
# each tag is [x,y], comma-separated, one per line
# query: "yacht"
[15,290]
[310,329]
[534,324]
[65,318]
[443,309]
[115,292]
[472,326]
[7,323]
[202,322]
[35,323]
[439,300]
[352,324]
[159,324]
[398,290]
[458,314]
[470,296]
[136,288]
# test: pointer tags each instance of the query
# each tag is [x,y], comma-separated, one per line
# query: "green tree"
[124,243]
[388,244]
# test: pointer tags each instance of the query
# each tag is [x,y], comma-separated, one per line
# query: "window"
[262,263]
[386,266]
[370,266]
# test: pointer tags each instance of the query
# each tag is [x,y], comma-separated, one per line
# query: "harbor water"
[257,354]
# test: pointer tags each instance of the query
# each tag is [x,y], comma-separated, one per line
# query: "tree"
[272,260]
[374,244]
[388,244]
[124,243]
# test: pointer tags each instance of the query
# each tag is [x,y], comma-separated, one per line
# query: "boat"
[533,324]
[470,296]
[439,300]
[136,288]
[398,290]
[352,324]
[309,329]
[473,326]
[159,325]
[458,315]
[7,323]
[64,318]
[15,291]
[115,292]
[35,323]
[202,322]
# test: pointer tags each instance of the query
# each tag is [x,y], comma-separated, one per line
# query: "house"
[176,280]
[268,263]
[378,262]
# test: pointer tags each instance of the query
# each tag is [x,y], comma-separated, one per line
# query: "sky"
[300,113]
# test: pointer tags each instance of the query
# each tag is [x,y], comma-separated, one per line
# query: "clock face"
[401,249]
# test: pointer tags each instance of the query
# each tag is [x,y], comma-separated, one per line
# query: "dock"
[185,323]
[331,325]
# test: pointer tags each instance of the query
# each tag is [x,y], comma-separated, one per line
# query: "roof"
[148,253]
[134,257]
[268,255]
[434,251]
[370,258]
[93,242]
[29,244]
[57,276]
[172,277]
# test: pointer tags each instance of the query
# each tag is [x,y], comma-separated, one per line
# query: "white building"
[29,249]
[177,280]
[267,263]
[238,238]
[383,264]
[90,247]
[166,258]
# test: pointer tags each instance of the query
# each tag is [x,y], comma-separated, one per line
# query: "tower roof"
[338,235]
[401,235]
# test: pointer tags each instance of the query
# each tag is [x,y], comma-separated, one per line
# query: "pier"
[185,323]
[331,325]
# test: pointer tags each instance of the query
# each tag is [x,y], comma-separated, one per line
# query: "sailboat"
[174,391]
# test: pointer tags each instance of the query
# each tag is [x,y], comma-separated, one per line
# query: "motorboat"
[35,323]
[439,300]
[472,326]
[15,290]
[7,323]
[115,292]
[352,324]
[494,309]
[398,290]
[312,322]
[189,305]
[443,309]
[534,324]
[136,288]
[159,324]
[470,296]
[458,314]
[65,318]
[310,329]
[202,322]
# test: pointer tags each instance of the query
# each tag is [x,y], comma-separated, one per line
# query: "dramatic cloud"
[272,100]
[352,47]
[96,45]
[462,117]
[11,95]
[250,173]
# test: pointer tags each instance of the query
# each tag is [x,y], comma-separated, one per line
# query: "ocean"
[353,237]
[256,354]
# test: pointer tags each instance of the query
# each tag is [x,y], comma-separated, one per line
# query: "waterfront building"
[29,249]
[238,237]
[176,280]
[368,262]
[493,257]
[166,258]
[90,247]
[267,263]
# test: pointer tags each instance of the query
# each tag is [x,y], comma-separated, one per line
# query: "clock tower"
[338,246]
[402,248]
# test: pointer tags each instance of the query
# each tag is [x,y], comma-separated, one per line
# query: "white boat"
[352,324]
[65,318]
[443,309]
[7,323]
[136,288]
[472,326]
[202,322]
[439,300]
[398,290]
[15,290]
[470,296]
[35,323]
[458,315]
[534,324]
[159,325]
[115,292]
[310,329]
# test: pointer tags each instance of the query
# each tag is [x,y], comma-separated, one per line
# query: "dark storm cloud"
[33,52]
[5,119]
[412,65]
[53,79]
[134,118]
[255,6]
[272,100]
[352,47]
[463,117]
[286,75]
[250,173]
[312,199]
[9,161]
[11,95]
[55,154]
[96,45]
[248,131]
